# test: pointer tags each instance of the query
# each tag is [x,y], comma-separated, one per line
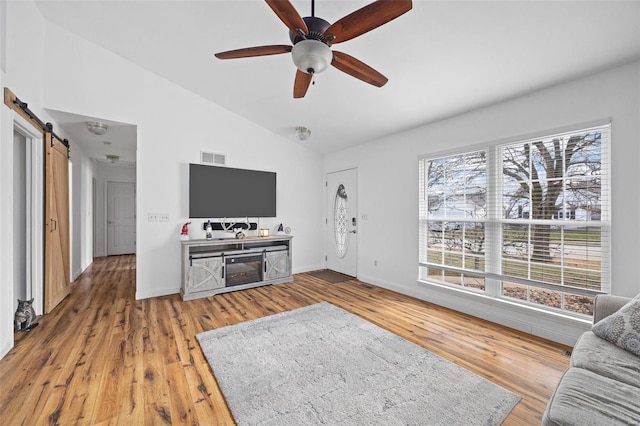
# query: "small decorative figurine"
[209,230]
[280,230]
[184,233]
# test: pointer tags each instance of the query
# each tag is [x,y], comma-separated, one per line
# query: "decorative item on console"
[264,232]
[237,228]
[184,233]
[209,230]
[283,230]
[239,231]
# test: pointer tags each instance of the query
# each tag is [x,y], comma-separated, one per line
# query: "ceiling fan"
[312,38]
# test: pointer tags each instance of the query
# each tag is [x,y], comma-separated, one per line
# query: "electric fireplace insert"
[243,269]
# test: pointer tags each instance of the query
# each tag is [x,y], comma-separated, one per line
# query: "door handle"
[53,222]
[109,222]
[354,231]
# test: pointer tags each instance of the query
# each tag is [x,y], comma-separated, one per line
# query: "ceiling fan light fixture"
[311,56]
[97,128]
[302,133]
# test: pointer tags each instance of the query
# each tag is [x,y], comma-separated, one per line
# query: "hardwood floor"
[101,357]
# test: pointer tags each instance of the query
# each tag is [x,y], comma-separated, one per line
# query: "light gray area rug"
[322,365]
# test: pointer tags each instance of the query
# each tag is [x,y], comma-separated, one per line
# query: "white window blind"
[526,220]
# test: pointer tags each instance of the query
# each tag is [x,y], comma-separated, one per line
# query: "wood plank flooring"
[103,358]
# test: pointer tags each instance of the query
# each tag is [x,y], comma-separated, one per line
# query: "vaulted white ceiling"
[442,58]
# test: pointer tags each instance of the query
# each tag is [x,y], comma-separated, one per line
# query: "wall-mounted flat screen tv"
[219,192]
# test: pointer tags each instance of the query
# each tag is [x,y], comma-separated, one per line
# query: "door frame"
[35,210]
[326,209]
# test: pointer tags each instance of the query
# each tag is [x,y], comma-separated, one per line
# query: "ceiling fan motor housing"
[311,54]
[316,27]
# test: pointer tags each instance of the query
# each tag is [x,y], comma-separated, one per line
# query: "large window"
[527,220]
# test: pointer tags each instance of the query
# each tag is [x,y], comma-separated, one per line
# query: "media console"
[216,266]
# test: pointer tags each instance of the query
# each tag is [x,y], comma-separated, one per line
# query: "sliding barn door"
[57,283]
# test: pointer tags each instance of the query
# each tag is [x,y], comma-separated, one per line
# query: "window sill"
[551,325]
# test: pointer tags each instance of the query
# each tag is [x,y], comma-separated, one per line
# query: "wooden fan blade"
[366,19]
[255,51]
[358,69]
[301,84]
[288,15]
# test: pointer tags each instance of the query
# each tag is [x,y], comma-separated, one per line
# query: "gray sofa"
[602,384]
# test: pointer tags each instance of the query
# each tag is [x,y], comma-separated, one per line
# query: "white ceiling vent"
[212,158]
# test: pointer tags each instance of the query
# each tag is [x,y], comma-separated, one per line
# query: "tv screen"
[219,192]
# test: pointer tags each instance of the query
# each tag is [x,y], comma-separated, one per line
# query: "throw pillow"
[622,328]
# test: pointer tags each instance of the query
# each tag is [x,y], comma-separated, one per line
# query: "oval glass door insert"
[340,221]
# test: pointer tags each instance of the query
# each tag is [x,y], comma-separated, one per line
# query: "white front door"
[342,217]
[121,218]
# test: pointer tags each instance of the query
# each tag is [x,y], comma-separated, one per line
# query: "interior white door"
[121,218]
[341,220]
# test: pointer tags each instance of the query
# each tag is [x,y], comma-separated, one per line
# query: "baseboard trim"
[558,328]
[76,274]
[308,268]
[6,346]
[156,293]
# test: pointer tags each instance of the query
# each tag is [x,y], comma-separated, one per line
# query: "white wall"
[82,173]
[108,173]
[388,188]
[14,45]
[3,36]
[22,30]
[6,218]
[174,125]
[22,62]
[6,232]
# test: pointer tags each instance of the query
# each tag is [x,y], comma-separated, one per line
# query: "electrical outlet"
[152,217]
[364,216]
[375,263]
[163,217]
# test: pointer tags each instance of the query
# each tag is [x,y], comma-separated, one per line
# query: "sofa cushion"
[584,398]
[604,358]
[623,327]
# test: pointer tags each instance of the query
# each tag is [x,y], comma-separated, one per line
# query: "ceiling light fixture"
[311,56]
[97,128]
[302,133]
